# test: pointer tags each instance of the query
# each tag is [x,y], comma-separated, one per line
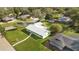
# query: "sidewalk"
[22,40]
[4,45]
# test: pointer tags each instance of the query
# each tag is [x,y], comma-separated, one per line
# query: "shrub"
[56,28]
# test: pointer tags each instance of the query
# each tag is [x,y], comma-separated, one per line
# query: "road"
[4,45]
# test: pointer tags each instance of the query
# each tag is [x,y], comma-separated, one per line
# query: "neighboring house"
[8,18]
[64,19]
[38,30]
[52,20]
[34,19]
[61,19]
[10,28]
[63,42]
[24,16]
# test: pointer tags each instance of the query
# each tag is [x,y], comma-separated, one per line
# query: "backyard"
[33,43]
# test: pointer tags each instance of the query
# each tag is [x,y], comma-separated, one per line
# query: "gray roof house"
[64,19]
[63,42]
[8,18]
[23,16]
[61,19]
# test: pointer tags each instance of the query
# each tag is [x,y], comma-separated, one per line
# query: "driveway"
[4,45]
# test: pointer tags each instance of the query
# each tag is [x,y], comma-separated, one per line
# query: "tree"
[48,10]
[37,13]
[2,30]
[48,16]
[17,11]
[26,11]
[56,16]
[56,28]
[73,13]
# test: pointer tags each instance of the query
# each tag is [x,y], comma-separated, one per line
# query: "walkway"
[22,40]
[4,45]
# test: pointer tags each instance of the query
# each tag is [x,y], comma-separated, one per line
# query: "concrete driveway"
[4,45]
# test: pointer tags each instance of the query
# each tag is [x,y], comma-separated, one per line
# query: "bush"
[2,30]
[56,28]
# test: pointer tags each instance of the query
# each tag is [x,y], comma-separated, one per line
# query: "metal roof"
[37,29]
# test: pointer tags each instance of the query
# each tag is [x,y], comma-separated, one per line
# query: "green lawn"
[14,36]
[72,34]
[30,45]
[8,24]
[47,24]
[34,43]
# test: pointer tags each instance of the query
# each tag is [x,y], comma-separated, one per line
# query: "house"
[8,18]
[38,29]
[52,20]
[61,19]
[34,19]
[63,42]
[24,16]
[10,28]
[64,19]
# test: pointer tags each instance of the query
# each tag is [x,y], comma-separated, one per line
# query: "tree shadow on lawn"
[33,36]
[25,31]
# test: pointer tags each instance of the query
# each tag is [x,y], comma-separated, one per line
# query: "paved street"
[4,45]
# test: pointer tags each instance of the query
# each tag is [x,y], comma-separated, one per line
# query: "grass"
[47,24]
[14,36]
[34,43]
[71,33]
[8,24]
[31,45]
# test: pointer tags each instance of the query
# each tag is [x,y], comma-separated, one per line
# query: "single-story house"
[23,16]
[64,19]
[38,30]
[34,19]
[8,18]
[61,19]
[63,42]
[52,20]
[10,28]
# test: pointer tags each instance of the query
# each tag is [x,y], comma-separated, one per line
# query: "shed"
[10,28]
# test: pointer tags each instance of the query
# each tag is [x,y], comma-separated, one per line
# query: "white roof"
[37,29]
[40,25]
[10,27]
